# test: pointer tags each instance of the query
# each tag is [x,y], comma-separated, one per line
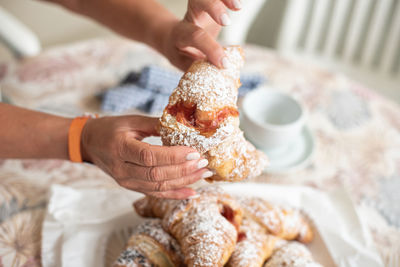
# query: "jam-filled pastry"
[202,113]
[285,223]
[254,245]
[150,246]
[205,225]
[292,254]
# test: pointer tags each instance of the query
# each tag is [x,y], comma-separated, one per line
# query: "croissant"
[285,223]
[254,245]
[202,113]
[204,225]
[292,254]
[150,245]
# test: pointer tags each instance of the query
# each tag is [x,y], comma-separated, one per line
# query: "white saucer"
[295,156]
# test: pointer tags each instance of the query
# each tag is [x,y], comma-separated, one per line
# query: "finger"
[166,185]
[186,57]
[198,38]
[181,193]
[144,154]
[193,53]
[161,173]
[233,4]
[215,8]
[183,63]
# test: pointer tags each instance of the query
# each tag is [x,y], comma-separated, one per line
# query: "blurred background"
[360,38]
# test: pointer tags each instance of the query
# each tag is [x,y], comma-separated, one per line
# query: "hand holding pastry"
[114,144]
[194,37]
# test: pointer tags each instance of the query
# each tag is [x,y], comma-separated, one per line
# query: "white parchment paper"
[78,224]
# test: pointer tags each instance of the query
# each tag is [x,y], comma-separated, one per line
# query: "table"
[357,135]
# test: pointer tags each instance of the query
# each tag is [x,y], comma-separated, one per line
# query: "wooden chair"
[358,37]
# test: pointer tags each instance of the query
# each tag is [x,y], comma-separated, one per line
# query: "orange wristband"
[74,138]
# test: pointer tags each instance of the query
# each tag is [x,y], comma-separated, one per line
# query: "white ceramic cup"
[271,119]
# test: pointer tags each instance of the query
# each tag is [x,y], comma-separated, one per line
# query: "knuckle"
[198,34]
[215,4]
[183,171]
[157,194]
[172,156]
[146,156]
[161,186]
[120,145]
[155,174]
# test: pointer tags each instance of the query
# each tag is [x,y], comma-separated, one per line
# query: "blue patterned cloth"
[149,90]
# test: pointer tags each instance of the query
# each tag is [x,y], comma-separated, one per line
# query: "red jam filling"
[241,236]
[206,122]
[229,214]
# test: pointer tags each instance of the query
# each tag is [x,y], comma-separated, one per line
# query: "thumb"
[147,126]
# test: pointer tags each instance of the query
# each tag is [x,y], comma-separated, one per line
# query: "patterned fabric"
[150,89]
[357,135]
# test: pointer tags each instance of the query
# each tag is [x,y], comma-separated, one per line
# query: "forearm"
[141,20]
[30,134]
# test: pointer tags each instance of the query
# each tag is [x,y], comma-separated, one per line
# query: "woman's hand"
[149,22]
[194,37]
[114,144]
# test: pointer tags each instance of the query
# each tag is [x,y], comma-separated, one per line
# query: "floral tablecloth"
[357,136]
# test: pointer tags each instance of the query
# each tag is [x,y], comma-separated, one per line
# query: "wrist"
[85,137]
[160,31]
[77,136]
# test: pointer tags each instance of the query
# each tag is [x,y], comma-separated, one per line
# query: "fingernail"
[225,62]
[194,193]
[207,174]
[190,192]
[192,156]
[202,163]
[237,4]
[225,19]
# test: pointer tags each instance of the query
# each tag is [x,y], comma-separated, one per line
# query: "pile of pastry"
[215,229]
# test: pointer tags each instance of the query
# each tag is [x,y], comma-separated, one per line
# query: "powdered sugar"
[285,222]
[175,133]
[254,248]
[293,254]
[154,229]
[202,230]
[246,161]
[132,257]
[210,89]
[206,237]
